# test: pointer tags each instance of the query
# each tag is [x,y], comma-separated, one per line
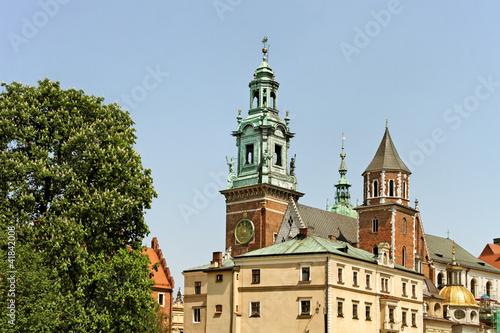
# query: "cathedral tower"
[386,214]
[261,184]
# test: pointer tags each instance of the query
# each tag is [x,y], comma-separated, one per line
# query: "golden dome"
[457,295]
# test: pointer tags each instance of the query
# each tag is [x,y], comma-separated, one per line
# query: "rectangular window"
[384,284]
[197,287]
[219,278]
[255,276]
[277,155]
[368,310]
[414,319]
[305,307]
[254,309]
[355,311]
[305,274]
[340,308]
[414,290]
[249,154]
[368,281]
[218,309]
[403,318]
[161,299]
[340,275]
[196,315]
[391,315]
[404,289]
[355,278]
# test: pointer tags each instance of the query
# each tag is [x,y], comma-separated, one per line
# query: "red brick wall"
[266,215]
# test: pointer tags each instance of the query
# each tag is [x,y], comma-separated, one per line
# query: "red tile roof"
[491,254]
[161,275]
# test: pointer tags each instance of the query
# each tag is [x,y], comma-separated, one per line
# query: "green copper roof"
[311,245]
[226,263]
[440,250]
[317,245]
[387,157]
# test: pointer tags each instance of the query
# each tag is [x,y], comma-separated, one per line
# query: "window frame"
[305,303]
[162,303]
[368,311]
[368,280]
[355,278]
[301,277]
[340,275]
[219,278]
[196,315]
[355,309]
[375,225]
[340,308]
[255,276]
[251,310]
[197,287]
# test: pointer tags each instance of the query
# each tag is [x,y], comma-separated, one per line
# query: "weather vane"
[264,49]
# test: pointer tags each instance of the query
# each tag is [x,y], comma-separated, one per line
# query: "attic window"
[481,263]
[343,249]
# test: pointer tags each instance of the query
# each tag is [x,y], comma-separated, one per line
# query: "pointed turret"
[387,157]
[342,195]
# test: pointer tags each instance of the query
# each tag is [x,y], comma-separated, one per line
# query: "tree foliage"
[76,191]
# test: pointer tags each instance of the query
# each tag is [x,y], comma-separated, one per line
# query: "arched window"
[273,100]
[404,225]
[403,256]
[440,280]
[488,289]
[375,225]
[437,308]
[391,188]
[375,188]
[473,287]
[255,100]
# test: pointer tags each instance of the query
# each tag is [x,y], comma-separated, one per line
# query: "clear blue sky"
[431,67]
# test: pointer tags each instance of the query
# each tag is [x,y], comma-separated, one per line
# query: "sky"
[182,70]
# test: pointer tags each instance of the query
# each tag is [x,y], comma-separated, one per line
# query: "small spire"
[343,168]
[386,122]
[264,49]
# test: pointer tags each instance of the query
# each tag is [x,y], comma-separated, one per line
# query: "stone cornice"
[259,191]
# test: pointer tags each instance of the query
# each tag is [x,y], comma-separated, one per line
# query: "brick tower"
[260,186]
[386,215]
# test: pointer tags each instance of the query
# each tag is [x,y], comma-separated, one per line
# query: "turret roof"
[387,157]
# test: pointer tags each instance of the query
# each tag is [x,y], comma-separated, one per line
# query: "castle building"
[261,184]
[292,267]
[306,284]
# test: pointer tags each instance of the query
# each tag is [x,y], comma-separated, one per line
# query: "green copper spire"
[342,196]
[263,137]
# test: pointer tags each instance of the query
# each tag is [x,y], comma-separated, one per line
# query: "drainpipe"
[327,298]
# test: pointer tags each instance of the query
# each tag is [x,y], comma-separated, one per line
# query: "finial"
[239,116]
[454,261]
[264,49]
[386,122]
[342,155]
[287,119]
[416,204]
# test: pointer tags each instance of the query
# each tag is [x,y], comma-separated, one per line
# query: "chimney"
[304,232]
[496,241]
[217,259]
[332,237]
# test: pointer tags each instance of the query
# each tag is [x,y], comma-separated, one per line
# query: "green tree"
[75,189]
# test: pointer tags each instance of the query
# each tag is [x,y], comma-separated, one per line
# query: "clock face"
[244,231]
